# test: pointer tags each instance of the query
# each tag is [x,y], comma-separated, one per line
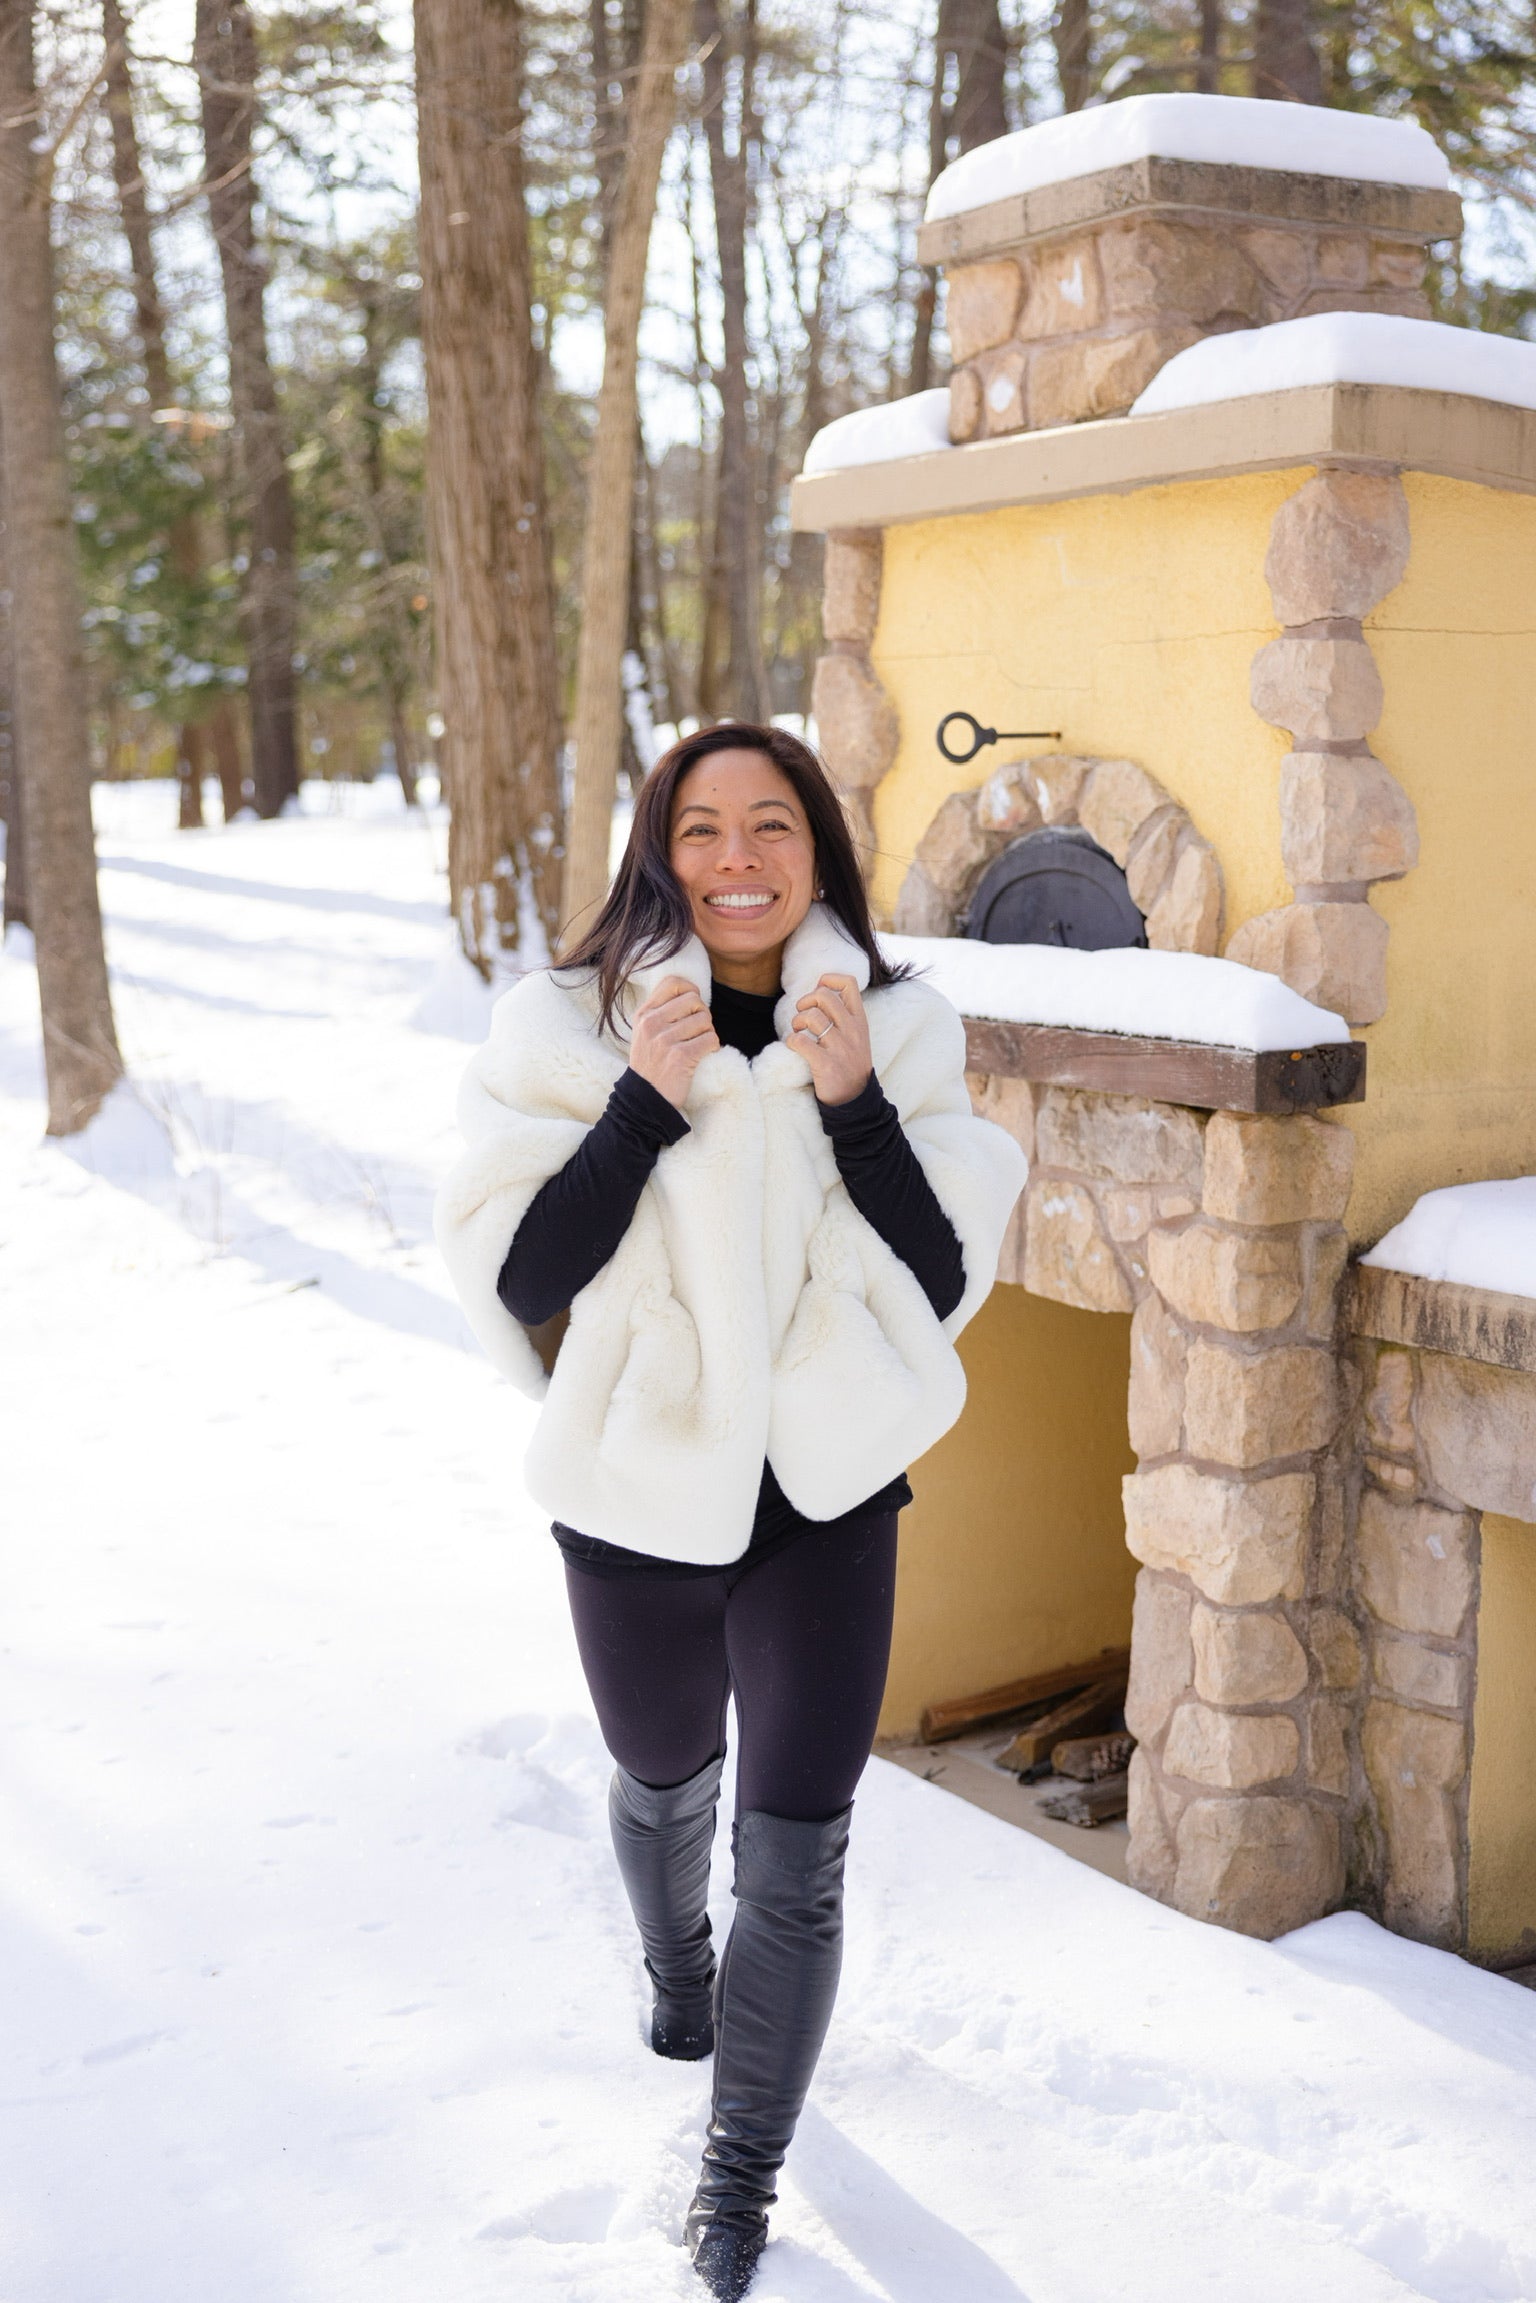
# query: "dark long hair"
[646,917]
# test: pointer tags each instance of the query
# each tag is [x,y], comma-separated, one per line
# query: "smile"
[755,902]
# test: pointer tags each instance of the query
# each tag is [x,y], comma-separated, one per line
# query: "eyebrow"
[698,807]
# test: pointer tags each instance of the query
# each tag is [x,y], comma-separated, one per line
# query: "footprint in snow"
[579,2217]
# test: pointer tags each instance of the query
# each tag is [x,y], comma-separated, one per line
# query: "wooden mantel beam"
[1170,1071]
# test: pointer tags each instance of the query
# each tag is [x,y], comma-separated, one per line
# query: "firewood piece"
[960,1713]
[1089,1803]
[1089,1713]
[1089,1758]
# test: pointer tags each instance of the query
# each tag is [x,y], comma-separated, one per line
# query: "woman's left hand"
[831,1031]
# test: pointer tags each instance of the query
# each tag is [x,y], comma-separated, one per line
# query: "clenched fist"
[673,1031]
[831,1031]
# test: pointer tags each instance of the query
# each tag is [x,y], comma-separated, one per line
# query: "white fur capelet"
[750,1310]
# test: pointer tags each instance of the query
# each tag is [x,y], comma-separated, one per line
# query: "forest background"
[243,202]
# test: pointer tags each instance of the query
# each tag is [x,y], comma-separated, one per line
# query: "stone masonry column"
[855,718]
[1241,1781]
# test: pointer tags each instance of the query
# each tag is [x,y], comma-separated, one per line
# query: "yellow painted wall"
[1452,1087]
[1502,1820]
[1128,622]
[1013,1554]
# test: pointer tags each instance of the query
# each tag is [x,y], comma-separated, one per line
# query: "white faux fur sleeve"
[528,1098]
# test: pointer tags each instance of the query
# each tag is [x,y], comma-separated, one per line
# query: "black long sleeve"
[575,1222]
[887,1185]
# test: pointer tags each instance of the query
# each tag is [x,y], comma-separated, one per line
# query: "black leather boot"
[662,1840]
[773,2002]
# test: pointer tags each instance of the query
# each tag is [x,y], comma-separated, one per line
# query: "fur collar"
[820,946]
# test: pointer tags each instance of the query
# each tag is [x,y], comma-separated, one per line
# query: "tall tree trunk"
[611,467]
[16,909]
[224,50]
[737,553]
[388,644]
[79,1039]
[1072,39]
[497,671]
[184,542]
[1285,59]
[1208,64]
[971,32]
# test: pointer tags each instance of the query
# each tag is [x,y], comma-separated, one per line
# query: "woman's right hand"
[672,1033]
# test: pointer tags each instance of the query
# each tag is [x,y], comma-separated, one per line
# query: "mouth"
[742,903]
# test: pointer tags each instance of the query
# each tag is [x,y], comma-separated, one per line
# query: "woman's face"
[742,850]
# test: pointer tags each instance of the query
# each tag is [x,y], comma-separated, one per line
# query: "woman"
[735,1144]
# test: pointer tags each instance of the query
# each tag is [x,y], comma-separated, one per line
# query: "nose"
[740,854]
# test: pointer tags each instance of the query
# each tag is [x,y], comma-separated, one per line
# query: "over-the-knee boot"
[662,1840]
[773,2002]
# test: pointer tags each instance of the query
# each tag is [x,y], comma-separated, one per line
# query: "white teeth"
[743,903]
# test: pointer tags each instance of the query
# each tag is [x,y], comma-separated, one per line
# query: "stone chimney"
[1065,301]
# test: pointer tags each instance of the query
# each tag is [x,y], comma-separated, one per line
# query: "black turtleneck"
[576,1221]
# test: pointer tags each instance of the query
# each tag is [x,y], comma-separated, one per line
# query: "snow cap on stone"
[1473,1234]
[1345,348]
[1239,131]
[911,427]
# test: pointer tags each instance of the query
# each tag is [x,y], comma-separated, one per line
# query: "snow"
[317,1984]
[1346,348]
[1477,1234]
[912,427]
[1241,131]
[1151,995]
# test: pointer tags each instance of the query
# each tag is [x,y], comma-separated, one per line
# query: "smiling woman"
[735,1144]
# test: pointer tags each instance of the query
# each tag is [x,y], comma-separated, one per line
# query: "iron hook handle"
[981,736]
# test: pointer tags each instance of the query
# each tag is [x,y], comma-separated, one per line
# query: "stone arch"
[1174,877]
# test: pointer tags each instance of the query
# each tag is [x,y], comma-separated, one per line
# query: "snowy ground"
[317,1987]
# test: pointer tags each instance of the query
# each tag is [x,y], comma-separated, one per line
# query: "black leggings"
[802,1641]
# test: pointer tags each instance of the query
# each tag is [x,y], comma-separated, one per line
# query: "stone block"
[850,585]
[1239,1280]
[1240,1542]
[1202,274]
[1398,264]
[1186,917]
[1006,803]
[1414,1761]
[981,305]
[1152,856]
[1344,818]
[1417,1674]
[856,720]
[1161,1658]
[964,405]
[1328,1762]
[1066,1253]
[1065,295]
[1404,303]
[1099,375]
[920,909]
[1336,1644]
[1010,1256]
[1342,261]
[1116,801]
[1389,1401]
[1058,779]
[1153,1857]
[1260,1170]
[955,846]
[1155,1405]
[1231,1750]
[1283,261]
[1124,1139]
[1327,1259]
[1247,1408]
[1333,954]
[1008,1104]
[1320,689]
[1260,1866]
[1130,1210]
[1246,1658]
[1478,1428]
[1417,1564]
[1003,375]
